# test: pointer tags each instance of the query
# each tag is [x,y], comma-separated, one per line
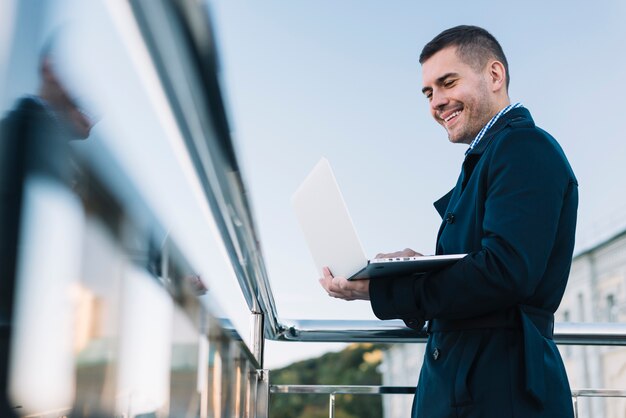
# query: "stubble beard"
[479,112]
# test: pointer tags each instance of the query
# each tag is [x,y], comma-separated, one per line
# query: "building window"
[581,307]
[611,309]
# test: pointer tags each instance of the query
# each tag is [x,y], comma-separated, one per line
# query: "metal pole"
[258,339]
[335,330]
[263,394]
[575,406]
[331,406]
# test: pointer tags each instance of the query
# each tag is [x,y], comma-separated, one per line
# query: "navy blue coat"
[490,351]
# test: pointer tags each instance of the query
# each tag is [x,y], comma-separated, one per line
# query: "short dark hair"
[475,46]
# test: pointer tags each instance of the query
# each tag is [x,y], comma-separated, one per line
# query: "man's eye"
[428,95]
[449,84]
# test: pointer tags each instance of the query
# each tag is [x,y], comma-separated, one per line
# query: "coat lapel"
[442,204]
[519,115]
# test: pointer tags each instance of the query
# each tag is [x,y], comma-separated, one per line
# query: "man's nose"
[438,101]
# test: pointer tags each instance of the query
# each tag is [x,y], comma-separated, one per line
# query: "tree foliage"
[357,364]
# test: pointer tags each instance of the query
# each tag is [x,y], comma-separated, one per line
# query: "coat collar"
[519,117]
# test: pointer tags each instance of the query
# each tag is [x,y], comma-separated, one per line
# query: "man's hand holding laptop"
[342,288]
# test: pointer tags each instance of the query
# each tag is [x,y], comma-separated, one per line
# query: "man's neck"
[499,105]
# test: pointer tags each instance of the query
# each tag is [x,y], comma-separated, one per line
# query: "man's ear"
[497,75]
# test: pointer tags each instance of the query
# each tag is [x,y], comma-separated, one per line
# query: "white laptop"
[332,238]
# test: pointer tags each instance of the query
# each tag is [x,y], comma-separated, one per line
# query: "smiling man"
[490,352]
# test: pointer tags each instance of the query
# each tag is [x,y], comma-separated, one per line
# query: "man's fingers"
[407,252]
[389,255]
[338,287]
[326,284]
[339,295]
[330,285]
[341,284]
[411,253]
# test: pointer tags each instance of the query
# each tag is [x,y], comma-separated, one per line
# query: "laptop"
[333,240]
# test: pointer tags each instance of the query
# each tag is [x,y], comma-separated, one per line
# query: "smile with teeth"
[452,115]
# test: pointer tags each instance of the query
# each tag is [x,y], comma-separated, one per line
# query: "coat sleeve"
[526,182]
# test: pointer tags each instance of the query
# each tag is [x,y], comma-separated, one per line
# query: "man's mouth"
[452,116]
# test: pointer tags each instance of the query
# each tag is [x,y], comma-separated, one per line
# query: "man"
[490,351]
[33,136]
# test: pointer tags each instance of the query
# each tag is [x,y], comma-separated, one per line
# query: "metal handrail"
[565,333]
[342,389]
[406,390]
[599,393]
[188,72]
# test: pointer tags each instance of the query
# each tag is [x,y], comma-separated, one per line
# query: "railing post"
[331,406]
[575,406]
[263,394]
[258,339]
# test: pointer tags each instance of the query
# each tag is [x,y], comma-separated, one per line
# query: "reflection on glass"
[144,345]
[42,359]
[98,321]
[203,375]
[96,335]
[237,390]
[217,384]
[251,387]
[184,395]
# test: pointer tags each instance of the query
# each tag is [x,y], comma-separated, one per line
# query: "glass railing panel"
[143,304]
[135,137]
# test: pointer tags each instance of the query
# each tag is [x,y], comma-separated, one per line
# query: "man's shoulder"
[30,104]
[523,132]
[25,107]
[520,122]
[524,140]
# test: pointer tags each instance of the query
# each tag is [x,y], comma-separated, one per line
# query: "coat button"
[414,324]
[436,354]
[450,217]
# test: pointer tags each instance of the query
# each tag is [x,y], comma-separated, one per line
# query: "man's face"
[78,123]
[459,96]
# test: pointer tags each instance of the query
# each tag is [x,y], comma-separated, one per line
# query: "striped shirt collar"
[490,124]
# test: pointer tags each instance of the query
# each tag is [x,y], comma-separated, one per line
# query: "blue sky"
[342,80]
